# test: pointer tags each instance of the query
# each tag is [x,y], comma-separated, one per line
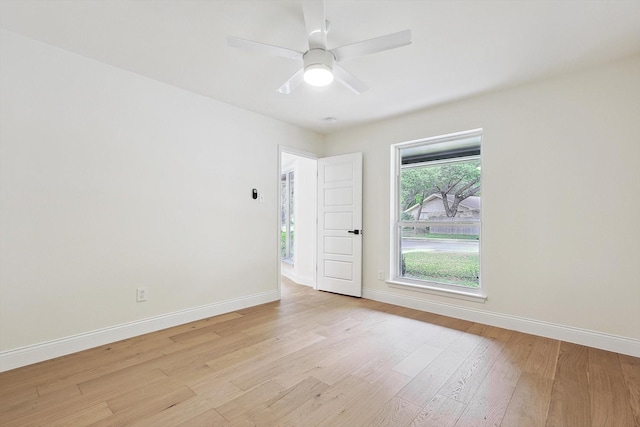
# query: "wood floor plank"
[287,401]
[362,410]
[202,327]
[529,403]
[86,416]
[439,411]
[428,382]
[147,407]
[146,392]
[20,397]
[241,324]
[305,322]
[453,323]
[298,364]
[251,402]
[16,396]
[360,353]
[415,362]
[206,419]
[117,381]
[48,372]
[124,354]
[39,404]
[194,357]
[82,375]
[380,365]
[631,371]
[265,351]
[232,364]
[490,402]
[331,401]
[570,400]
[544,357]
[44,415]
[609,402]
[339,327]
[195,410]
[396,412]
[464,382]
[196,336]
[216,391]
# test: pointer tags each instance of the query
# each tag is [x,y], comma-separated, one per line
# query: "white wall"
[554,257]
[305,221]
[111,181]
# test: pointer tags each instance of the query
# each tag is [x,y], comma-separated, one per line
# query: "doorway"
[297,218]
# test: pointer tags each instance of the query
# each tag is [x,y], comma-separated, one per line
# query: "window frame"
[395,277]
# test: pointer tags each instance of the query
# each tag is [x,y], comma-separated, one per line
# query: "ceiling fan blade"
[293,82]
[378,44]
[348,80]
[315,23]
[263,48]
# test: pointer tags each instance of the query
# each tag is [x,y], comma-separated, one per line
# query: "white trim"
[441,138]
[439,289]
[300,280]
[394,192]
[586,337]
[28,355]
[440,162]
[460,223]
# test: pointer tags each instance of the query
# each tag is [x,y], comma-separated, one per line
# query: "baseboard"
[301,280]
[571,334]
[28,355]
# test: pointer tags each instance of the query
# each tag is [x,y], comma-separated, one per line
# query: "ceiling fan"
[320,66]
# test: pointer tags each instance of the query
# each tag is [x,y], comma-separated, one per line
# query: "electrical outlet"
[381,275]
[141,294]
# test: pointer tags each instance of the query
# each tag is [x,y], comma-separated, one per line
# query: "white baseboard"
[28,355]
[301,280]
[571,334]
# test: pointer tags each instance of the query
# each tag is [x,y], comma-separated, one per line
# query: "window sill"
[437,290]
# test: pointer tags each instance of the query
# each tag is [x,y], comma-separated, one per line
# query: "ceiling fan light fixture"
[318,75]
[318,67]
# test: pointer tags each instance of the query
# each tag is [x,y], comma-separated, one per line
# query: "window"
[436,215]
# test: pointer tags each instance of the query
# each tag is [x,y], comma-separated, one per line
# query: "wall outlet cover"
[141,294]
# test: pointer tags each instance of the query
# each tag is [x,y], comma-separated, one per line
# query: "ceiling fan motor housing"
[321,57]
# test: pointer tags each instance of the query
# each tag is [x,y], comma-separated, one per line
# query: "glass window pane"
[440,258]
[442,199]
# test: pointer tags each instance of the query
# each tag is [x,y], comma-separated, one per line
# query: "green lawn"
[454,268]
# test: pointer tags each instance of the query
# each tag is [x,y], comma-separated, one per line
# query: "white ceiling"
[460,48]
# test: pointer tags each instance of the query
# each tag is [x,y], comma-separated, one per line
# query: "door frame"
[300,153]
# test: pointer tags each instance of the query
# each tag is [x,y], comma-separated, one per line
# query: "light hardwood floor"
[316,358]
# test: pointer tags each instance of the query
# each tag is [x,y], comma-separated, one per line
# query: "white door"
[340,224]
